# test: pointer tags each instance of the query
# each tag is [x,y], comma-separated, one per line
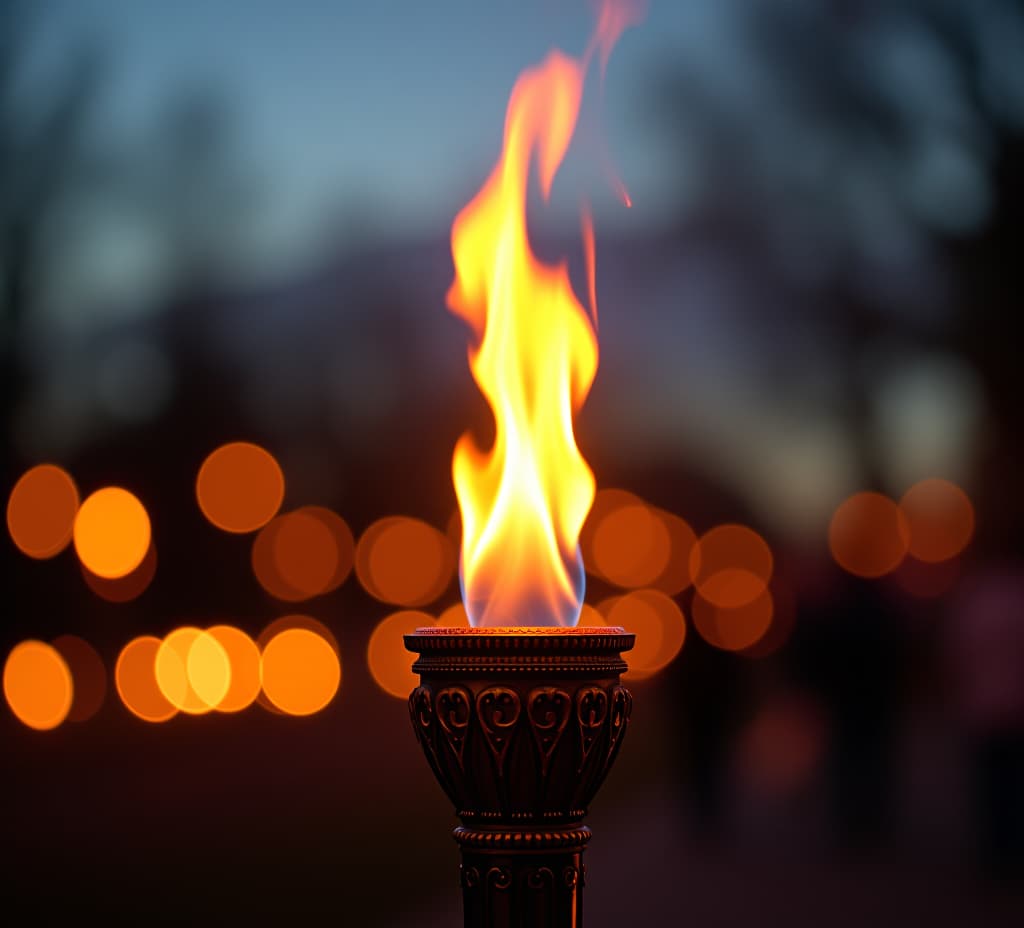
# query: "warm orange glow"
[37,685]
[591,618]
[733,629]
[41,511]
[244,659]
[404,561]
[524,501]
[940,518]
[193,670]
[88,676]
[390,664]
[135,678]
[126,588]
[300,671]
[112,533]
[302,554]
[286,622]
[240,487]
[869,535]
[454,617]
[632,546]
[731,565]
[676,576]
[659,626]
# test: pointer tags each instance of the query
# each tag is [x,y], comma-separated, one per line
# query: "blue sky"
[399,104]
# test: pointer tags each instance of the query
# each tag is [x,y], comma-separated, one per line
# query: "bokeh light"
[455,616]
[88,676]
[240,487]
[37,685]
[869,535]
[303,554]
[111,533]
[676,576]
[733,629]
[940,518]
[41,511]
[631,546]
[405,561]
[135,679]
[126,588]
[659,626]
[606,501]
[390,663]
[590,617]
[731,565]
[192,670]
[244,659]
[300,671]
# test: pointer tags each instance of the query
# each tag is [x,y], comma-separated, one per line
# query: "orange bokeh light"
[454,616]
[193,670]
[240,487]
[606,502]
[41,511]
[404,561]
[731,565]
[869,535]
[390,664]
[88,675]
[303,554]
[631,546]
[659,626]
[590,617]
[733,629]
[126,588]
[135,679]
[940,517]
[112,533]
[676,576]
[300,671]
[244,660]
[38,685]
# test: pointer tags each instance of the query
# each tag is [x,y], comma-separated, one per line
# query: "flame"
[524,501]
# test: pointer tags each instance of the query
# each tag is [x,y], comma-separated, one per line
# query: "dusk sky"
[395,104]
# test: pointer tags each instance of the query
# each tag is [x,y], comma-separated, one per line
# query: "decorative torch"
[522,714]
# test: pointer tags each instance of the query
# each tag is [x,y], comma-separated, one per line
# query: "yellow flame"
[524,500]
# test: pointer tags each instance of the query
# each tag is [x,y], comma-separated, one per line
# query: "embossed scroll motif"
[454,708]
[548,711]
[498,709]
[622,706]
[591,713]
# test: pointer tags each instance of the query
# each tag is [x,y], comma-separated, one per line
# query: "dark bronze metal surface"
[520,727]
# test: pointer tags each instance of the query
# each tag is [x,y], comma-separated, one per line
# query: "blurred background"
[223,261]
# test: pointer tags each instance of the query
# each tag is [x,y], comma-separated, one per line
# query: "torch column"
[520,726]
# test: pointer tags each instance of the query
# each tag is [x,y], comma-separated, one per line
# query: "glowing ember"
[524,501]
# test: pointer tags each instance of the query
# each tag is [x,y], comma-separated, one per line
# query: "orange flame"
[524,501]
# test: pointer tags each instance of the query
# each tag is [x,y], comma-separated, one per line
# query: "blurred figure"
[986,655]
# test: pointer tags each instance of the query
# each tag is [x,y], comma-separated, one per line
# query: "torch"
[522,714]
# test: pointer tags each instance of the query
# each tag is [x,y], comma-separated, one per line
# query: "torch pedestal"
[520,726]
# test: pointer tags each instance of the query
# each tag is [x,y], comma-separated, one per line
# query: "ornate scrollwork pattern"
[540,878]
[621,707]
[548,711]
[454,708]
[498,709]
[499,878]
[591,713]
